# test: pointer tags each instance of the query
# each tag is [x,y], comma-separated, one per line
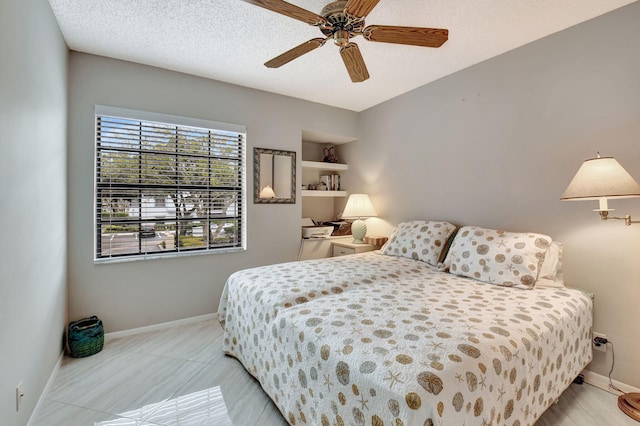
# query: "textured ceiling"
[229,40]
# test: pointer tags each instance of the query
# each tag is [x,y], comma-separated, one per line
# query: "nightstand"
[344,248]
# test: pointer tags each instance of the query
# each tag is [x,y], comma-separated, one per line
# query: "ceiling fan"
[341,20]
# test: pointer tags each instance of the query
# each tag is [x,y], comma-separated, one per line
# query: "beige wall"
[134,294]
[33,122]
[496,145]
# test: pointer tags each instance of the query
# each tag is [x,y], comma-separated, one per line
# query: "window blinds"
[163,187]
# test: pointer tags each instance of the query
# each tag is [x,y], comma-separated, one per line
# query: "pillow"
[551,269]
[419,240]
[497,257]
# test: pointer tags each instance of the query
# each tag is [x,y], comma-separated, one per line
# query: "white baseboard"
[156,327]
[45,391]
[602,382]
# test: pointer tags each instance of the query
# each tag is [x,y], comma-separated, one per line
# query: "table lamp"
[358,206]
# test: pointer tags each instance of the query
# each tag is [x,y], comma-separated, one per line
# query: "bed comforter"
[379,340]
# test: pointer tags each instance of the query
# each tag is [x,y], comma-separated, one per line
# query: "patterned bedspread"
[379,340]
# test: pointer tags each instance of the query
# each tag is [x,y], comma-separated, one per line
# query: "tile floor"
[179,376]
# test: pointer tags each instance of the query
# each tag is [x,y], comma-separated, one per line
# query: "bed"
[408,337]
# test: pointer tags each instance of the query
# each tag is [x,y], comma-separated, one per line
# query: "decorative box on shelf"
[377,242]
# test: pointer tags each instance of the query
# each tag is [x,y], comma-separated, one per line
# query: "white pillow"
[551,270]
[420,240]
[497,257]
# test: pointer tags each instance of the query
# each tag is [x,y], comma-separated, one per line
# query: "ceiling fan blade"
[353,61]
[360,8]
[427,37]
[290,10]
[294,53]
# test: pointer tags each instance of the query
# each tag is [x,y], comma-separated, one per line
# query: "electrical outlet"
[19,395]
[602,347]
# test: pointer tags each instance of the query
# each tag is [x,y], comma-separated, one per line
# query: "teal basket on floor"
[86,337]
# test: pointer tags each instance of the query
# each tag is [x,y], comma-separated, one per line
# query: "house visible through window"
[167,185]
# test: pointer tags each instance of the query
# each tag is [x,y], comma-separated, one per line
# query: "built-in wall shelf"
[322,205]
[321,165]
[311,193]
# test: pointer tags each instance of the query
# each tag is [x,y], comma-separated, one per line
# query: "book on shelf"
[331,181]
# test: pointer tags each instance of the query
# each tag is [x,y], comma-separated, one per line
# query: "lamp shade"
[358,205]
[601,177]
[267,192]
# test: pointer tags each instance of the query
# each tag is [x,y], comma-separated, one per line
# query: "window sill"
[155,256]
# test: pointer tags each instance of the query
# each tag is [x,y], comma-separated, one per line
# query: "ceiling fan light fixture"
[341,38]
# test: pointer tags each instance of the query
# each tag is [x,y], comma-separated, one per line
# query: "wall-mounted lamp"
[358,206]
[599,179]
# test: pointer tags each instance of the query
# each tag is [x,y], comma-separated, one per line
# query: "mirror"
[274,176]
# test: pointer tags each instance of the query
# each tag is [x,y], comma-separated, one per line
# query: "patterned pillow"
[419,240]
[497,257]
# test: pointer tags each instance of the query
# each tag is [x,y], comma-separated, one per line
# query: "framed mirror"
[274,176]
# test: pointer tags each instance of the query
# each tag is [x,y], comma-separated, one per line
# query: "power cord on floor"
[300,248]
[613,363]
[602,341]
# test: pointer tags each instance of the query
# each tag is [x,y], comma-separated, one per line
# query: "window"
[167,185]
